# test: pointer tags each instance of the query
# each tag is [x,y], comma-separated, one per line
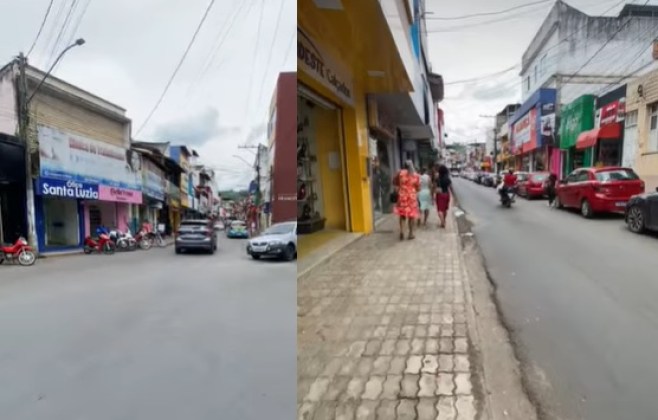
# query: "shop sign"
[611,113]
[524,131]
[287,197]
[153,181]
[67,189]
[318,65]
[120,195]
[547,122]
[72,157]
[185,200]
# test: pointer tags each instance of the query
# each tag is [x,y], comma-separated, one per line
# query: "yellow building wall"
[646,162]
[333,192]
[355,131]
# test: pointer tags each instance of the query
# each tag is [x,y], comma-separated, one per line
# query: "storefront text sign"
[612,112]
[322,68]
[69,156]
[521,130]
[67,189]
[120,195]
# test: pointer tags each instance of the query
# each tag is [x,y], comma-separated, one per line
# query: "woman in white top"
[425,195]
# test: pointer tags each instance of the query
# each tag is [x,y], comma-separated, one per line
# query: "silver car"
[279,240]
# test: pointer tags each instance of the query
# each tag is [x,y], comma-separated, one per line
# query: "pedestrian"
[425,196]
[407,184]
[443,189]
[551,183]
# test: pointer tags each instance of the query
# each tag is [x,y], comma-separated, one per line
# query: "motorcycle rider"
[509,184]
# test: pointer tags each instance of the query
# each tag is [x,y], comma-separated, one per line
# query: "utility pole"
[258,168]
[23,128]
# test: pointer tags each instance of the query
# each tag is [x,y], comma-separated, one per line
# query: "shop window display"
[309,207]
[61,222]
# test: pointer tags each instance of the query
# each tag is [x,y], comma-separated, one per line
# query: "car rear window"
[237,223]
[616,175]
[539,177]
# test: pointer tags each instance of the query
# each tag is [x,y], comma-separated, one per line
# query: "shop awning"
[589,138]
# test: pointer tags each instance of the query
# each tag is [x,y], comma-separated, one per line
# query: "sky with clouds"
[219,98]
[466,49]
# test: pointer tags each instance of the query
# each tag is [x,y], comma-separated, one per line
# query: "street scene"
[477,202]
[146,264]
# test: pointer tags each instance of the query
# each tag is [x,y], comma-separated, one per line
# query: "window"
[616,175]
[536,75]
[652,144]
[527,83]
[631,119]
[542,65]
[582,176]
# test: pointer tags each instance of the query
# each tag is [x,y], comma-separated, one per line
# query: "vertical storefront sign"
[153,181]
[321,67]
[547,124]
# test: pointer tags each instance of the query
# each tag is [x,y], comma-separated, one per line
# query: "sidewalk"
[383,331]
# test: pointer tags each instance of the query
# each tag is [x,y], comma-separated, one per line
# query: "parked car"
[219,225]
[237,229]
[279,240]
[599,190]
[532,186]
[197,235]
[488,179]
[642,212]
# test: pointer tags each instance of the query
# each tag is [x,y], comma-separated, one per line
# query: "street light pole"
[23,133]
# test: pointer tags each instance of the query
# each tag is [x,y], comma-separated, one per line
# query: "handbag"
[393,198]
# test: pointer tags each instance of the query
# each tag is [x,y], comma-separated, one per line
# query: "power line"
[622,26]
[293,37]
[217,45]
[76,26]
[499,12]
[62,30]
[178,66]
[43,23]
[253,63]
[459,28]
[53,28]
[269,56]
[475,79]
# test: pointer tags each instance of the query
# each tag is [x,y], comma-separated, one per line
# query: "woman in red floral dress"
[407,183]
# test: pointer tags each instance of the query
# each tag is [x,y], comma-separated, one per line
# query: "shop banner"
[611,113]
[522,129]
[66,189]
[548,124]
[153,181]
[120,195]
[318,65]
[72,157]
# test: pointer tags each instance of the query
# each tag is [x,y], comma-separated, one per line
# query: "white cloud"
[133,46]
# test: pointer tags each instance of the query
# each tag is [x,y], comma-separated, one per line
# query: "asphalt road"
[581,299]
[149,335]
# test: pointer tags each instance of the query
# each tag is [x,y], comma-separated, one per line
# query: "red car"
[533,185]
[599,190]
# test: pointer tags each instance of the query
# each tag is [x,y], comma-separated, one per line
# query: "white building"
[579,54]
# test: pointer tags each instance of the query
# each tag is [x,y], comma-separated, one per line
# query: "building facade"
[343,55]
[641,128]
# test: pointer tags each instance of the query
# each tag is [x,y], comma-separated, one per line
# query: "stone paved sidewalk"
[383,331]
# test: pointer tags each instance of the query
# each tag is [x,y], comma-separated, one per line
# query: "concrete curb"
[505,395]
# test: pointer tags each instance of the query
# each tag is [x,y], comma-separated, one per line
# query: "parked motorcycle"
[124,241]
[20,252]
[102,244]
[143,240]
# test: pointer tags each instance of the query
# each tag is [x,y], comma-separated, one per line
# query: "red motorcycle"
[20,251]
[103,244]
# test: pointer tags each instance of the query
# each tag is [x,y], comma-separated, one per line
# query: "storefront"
[82,184]
[533,133]
[577,119]
[337,53]
[12,189]
[382,148]
[609,126]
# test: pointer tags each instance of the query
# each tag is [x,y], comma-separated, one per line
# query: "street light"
[78,42]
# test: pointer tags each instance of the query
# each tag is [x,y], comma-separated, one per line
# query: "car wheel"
[290,253]
[255,256]
[635,220]
[586,209]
